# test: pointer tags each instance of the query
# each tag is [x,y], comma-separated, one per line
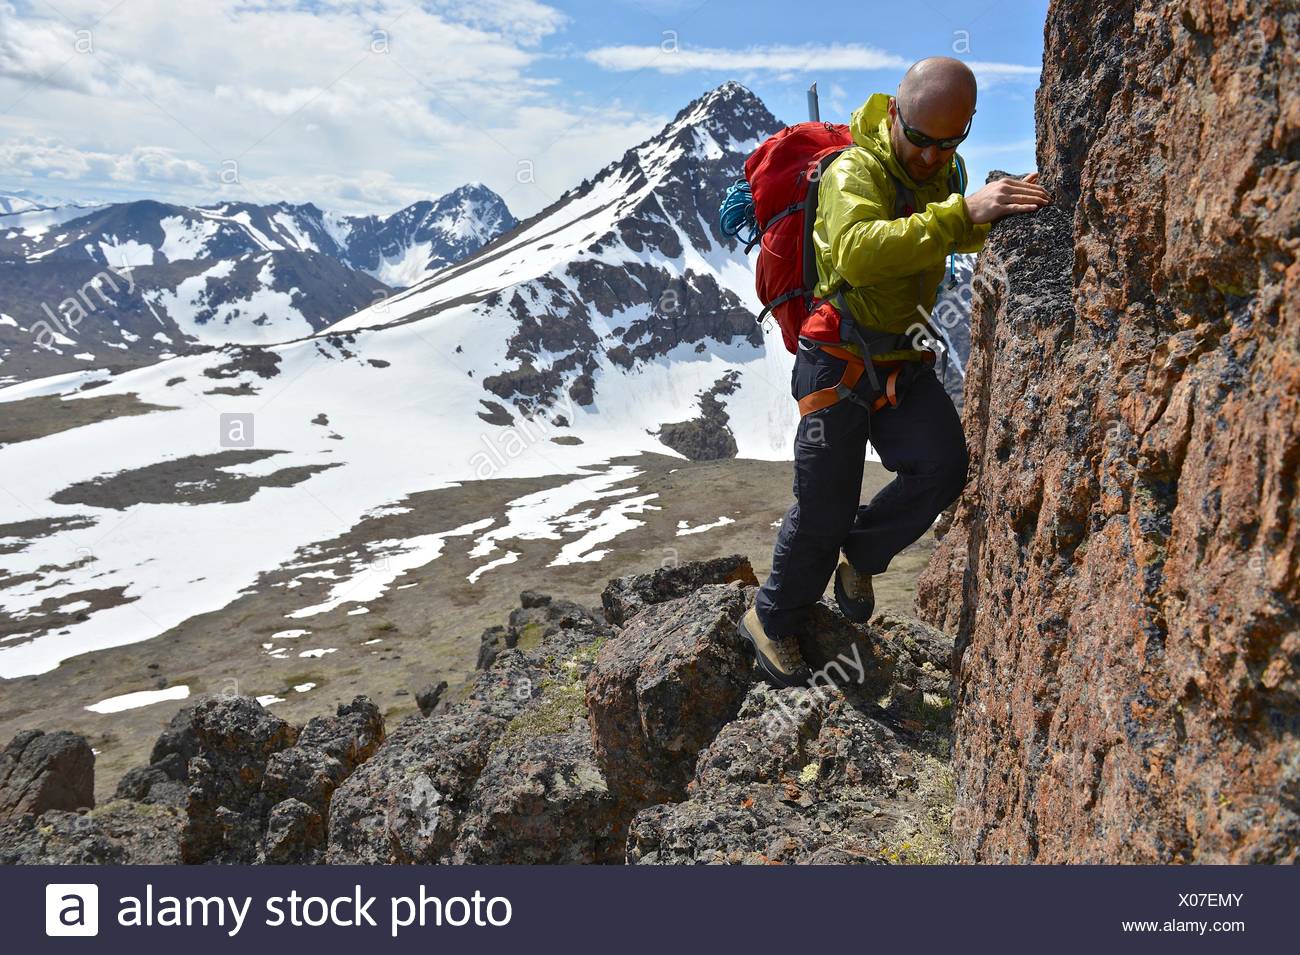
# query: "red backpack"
[777,203]
[783,174]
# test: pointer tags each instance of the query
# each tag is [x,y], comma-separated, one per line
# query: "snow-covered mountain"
[24,200]
[614,322]
[577,336]
[410,245]
[123,284]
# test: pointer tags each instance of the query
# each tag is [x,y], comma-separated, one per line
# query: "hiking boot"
[778,657]
[853,592]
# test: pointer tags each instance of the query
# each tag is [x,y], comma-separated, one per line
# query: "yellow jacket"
[892,265]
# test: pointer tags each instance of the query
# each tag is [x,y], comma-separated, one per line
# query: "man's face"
[936,119]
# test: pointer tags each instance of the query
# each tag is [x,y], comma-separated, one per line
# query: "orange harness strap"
[853,371]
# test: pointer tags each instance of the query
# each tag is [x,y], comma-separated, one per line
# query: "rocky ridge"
[636,733]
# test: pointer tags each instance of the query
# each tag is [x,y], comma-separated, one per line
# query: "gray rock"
[405,804]
[542,800]
[351,736]
[625,597]
[177,739]
[409,801]
[303,774]
[154,785]
[838,771]
[295,834]
[663,688]
[226,810]
[41,771]
[428,698]
[329,748]
[118,833]
[491,643]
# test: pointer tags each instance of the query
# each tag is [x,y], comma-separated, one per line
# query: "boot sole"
[859,611]
[764,664]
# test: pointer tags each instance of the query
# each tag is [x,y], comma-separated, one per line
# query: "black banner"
[649,909]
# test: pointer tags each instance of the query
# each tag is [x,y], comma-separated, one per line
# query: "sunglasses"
[920,140]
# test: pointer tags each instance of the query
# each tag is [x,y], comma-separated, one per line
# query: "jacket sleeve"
[973,241]
[867,246]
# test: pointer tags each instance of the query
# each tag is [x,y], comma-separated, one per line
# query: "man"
[886,221]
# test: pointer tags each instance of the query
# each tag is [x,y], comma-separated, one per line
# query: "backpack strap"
[810,217]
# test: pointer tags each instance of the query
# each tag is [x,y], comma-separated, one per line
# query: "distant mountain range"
[123,284]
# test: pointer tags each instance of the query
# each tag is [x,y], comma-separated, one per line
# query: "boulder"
[428,698]
[413,800]
[154,784]
[803,775]
[42,771]
[625,597]
[177,744]
[165,781]
[295,834]
[662,688]
[305,776]
[492,642]
[542,799]
[405,804]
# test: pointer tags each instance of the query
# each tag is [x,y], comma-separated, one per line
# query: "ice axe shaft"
[814,114]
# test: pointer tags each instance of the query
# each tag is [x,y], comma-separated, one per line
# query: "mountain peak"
[723,106]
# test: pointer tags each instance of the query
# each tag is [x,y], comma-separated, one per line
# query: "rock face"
[1122,571]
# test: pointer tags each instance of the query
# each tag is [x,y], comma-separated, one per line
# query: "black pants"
[920,440]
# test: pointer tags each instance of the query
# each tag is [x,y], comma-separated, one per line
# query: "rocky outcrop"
[625,597]
[801,776]
[660,692]
[226,810]
[580,741]
[119,833]
[1122,572]
[542,799]
[42,771]
[709,436]
[420,799]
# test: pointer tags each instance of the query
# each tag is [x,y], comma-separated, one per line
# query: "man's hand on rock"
[1006,196]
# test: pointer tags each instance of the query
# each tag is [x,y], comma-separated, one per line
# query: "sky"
[368,105]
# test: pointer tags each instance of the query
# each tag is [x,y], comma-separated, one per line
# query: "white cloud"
[786,61]
[376,101]
[157,164]
[56,160]
[525,20]
[781,58]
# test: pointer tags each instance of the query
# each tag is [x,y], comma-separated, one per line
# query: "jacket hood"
[869,125]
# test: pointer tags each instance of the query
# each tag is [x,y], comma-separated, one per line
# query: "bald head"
[937,99]
[937,83]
